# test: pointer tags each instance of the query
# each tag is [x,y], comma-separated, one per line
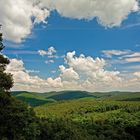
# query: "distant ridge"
[36,99]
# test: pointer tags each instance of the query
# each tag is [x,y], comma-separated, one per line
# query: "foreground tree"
[6,81]
[17,120]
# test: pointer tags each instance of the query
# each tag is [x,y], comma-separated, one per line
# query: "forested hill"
[35,99]
[81,115]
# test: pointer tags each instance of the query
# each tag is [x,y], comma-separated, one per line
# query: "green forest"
[66,115]
[102,116]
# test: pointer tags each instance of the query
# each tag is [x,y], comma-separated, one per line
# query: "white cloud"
[83,63]
[92,75]
[32,71]
[134,54]
[42,52]
[24,81]
[133,59]
[132,26]
[50,52]
[16,18]
[15,65]
[68,74]
[79,73]
[53,71]
[55,83]
[49,61]
[137,74]
[122,56]
[92,71]
[108,12]
[110,53]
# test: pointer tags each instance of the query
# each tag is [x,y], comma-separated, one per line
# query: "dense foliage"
[101,120]
[17,120]
[79,119]
[104,116]
[61,129]
[6,81]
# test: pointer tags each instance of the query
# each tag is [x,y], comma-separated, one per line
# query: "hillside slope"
[36,99]
[104,120]
[33,99]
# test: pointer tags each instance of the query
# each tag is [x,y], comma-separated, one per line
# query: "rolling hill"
[33,99]
[36,99]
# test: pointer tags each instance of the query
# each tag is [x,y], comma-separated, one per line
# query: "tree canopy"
[6,80]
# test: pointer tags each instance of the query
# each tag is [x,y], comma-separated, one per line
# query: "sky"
[90,45]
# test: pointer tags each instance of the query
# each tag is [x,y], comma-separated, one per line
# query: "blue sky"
[117,45]
[86,37]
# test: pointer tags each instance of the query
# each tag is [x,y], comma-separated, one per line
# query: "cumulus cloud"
[92,71]
[79,73]
[24,81]
[55,83]
[16,17]
[109,13]
[68,74]
[19,16]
